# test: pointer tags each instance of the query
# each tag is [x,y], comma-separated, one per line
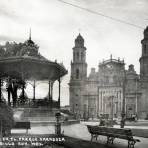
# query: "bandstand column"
[51,90]
[0,90]
[8,87]
[59,99]
[50,93]
[23,92]
[8,90]
[34,90]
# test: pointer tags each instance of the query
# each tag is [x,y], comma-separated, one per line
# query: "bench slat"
[113,132]
[22,125]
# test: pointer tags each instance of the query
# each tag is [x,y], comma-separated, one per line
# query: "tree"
[11,49]
[2,51]
[6,118]
[13,84]
[23,99]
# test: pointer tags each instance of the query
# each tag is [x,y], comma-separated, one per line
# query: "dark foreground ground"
[140,132]
[77,143]
[69,142]
[77,136]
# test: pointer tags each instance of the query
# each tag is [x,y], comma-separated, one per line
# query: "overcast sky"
[55,25]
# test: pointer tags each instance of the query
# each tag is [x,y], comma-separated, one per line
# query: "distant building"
[78,76]
[143,103]
[102,92]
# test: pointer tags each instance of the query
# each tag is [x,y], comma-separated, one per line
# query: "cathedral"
[110,89]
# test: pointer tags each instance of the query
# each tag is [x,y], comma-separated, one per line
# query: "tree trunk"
[14,94]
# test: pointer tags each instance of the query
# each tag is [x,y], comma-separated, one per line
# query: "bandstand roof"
[28,64]
[31,68]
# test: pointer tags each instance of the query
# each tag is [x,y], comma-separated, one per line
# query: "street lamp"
[112,112]
[1,129]
[122,124]
[58,124]
[111,103]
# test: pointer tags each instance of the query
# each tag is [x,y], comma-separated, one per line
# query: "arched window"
[77,55]
[77,73]
[81,56]
[74,57]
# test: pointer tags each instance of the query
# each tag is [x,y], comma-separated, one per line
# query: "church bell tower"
[143,103]
[144,58]
[78,75]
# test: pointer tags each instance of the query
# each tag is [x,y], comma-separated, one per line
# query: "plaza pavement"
[80,131]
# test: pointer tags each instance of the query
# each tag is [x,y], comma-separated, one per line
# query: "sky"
[55,25]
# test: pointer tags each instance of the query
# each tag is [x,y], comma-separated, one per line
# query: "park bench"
[112,133]
[22,125]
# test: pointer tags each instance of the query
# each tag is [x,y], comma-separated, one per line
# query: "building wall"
[143,101]
[143,104]
[110,101]
[78,77]
[102,92]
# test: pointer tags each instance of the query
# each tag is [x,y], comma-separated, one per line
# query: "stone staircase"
[38,114]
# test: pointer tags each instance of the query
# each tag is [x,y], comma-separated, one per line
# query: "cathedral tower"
[144,58]
[78,65]
[78,75]
[143,103]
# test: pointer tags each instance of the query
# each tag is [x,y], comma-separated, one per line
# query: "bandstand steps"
[39,118]
[39,114]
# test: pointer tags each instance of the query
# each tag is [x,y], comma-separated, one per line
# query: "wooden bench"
[112,133]
[22,125]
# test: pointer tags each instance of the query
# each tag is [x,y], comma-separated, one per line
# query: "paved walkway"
[78,143]
[80,131]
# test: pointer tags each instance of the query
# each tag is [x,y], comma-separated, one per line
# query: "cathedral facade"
[111,89]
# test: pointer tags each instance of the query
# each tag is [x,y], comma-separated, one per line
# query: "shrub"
[6,118]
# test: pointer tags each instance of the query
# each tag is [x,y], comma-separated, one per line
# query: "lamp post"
[112,112]
[136,108]
[58,124]
[1,129]
[123,103]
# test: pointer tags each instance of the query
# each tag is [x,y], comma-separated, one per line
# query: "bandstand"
[25,63]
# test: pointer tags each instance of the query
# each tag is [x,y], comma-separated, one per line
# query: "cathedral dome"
[79,41]
[79,37]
